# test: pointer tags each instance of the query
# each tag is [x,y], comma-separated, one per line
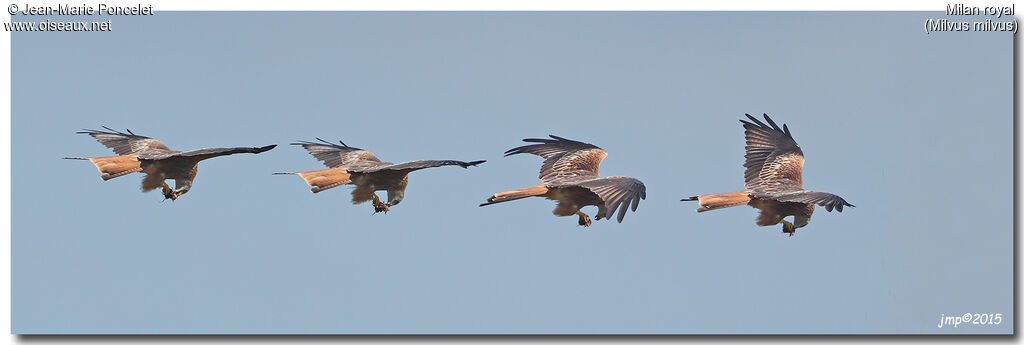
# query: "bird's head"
[395,196]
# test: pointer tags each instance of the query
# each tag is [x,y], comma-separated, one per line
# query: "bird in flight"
[774,180]
[136,153]
[354,166]
[570,176]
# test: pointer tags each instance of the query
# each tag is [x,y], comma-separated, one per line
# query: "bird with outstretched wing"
[358,167]
[570,176]
[136,153]
[774,180]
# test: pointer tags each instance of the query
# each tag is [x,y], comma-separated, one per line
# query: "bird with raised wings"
[136,153]
[570,176]
[358,167]
[774,180]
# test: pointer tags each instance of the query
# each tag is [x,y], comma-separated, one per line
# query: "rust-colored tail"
[722,200]
[322,180]
[113,166]
[516,194]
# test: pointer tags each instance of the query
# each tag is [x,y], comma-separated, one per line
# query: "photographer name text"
[81,10]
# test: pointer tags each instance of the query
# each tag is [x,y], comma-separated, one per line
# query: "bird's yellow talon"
[584,219]
[169,193]
[788,228]
[380,206]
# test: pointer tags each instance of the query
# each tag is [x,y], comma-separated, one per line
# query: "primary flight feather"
[354,166]
[136,153]
[570,176]
[773,179]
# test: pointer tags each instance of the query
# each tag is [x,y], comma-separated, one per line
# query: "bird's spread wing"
[774,162]
[563,158]
[334,155]
[827,200]
[412,166]
[126,143]
[617,192]
[206,153]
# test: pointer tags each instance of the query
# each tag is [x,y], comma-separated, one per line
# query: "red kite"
[137,153]
[350,165]
[774,180]
[570,176]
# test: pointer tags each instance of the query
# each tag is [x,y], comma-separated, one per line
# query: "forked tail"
[322,180]
[516,194]
[722,200]
[113,166]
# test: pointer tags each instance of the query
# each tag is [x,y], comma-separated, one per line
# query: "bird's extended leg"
[584,218]
[788,228]
[169,193]
[379,206]
[601,213]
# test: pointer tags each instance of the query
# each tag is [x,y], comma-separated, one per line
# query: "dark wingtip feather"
[771,122]
[111,131]
[303,142]
[325,142]
[756,122]
[265,148]
[474,163]
[329,143]
[513,151]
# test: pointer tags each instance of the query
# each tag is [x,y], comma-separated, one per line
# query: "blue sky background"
[913,128]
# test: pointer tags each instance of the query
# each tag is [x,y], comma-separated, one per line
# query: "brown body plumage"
[138,153]
[570,176]
[774,180]
[360,168]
